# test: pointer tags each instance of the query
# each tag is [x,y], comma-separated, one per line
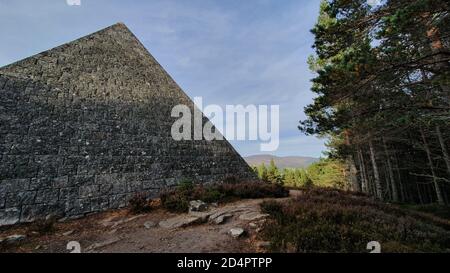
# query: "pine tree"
[382,90]
[273,174]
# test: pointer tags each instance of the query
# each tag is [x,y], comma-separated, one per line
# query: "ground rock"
[150,224]
[222,219]
[263,244]
[180,221]
[253,216]
[197,205]
[68,233]
[204,216]
[102,244]
[237,232]
[14,238]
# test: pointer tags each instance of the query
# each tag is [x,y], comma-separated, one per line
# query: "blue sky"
[226,51]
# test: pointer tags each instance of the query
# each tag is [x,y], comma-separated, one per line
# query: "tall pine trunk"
[391,173]
[443,148]
[439,196]
[353,175]
[419,193]
[363,173]
[403,193]
[376,174]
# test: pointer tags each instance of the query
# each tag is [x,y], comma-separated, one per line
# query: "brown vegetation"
[328,220]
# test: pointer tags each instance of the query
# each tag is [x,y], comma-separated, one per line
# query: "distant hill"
[281,162]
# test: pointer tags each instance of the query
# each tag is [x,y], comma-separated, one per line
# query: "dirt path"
[158,231]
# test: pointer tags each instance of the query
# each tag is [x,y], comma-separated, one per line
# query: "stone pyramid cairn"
[86,125]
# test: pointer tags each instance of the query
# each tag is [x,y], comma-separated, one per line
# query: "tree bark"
[364,181]
[353,175]
[376,173]
[403,193]
[439,196]
[419,193]
[437,47]
[391,173]
[443,148]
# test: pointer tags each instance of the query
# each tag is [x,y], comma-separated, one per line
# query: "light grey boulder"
[180,221]
[237,232]
[197,205]
[150,224]
[13,239]
[204,216]
[253,216]
[9,216]
[222,219]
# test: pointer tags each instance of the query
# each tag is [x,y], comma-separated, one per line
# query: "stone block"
[118,201]
[61,182]
[41,183]
[68,193]
[20,198]
[47,196]
[9,216]
[88,191]
[32,213]
[99,204]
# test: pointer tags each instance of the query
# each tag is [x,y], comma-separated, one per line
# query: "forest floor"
[268,224]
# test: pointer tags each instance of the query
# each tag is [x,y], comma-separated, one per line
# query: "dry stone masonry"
[85,126]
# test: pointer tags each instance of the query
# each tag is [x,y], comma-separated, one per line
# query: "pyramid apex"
[118,27]
[120,24]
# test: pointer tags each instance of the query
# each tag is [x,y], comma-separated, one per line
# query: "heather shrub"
[252,190]
[327,220]
[174,201]
[177,200]
[434,209]
[211,195]
[271,207]
[231,179]
[44,226]
[185,186]
[275,209]
[139,204]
